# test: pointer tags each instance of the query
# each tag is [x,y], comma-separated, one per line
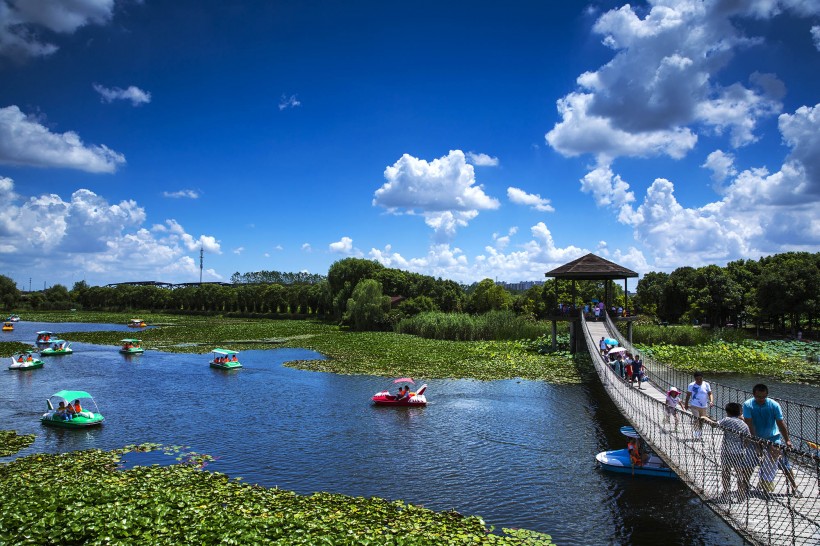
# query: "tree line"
[780,291]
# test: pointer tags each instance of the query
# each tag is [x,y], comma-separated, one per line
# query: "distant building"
[519,286]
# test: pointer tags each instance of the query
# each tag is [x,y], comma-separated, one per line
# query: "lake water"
[517,453]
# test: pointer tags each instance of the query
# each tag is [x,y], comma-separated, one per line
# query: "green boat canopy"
[57,341]
[71,395]
[225,352]
[130,340]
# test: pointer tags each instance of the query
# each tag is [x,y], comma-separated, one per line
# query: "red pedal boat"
[409,398]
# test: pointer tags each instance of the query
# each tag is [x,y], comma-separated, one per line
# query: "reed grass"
[491,326]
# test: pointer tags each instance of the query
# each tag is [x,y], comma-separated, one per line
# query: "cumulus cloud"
[529,261]
[520,197]
[288,102]
[660,88]
[760,212]
[815,36]
[24,141]
[239,250]
[136,95]
[22,21]
[482,160]
[306,247]
[187,194]
[443,191]
[501,242]
[345,246]
[721,164]
[87,234]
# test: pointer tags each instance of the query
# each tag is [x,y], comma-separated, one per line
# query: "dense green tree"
[419,304]
[676,294]
[715,295]
[344,275]
[789,286]
[367,308]
[9,294]
[649,294]
[488,296]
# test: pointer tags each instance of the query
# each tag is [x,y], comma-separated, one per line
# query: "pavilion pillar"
[554,335]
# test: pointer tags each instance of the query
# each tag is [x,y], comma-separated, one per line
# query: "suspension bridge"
[781,511]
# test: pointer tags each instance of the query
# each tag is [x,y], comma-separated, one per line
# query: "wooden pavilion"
[590,268]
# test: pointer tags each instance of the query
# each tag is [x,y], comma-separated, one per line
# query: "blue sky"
[463,140]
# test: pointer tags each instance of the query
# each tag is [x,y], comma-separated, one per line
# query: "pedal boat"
[222,359]
[26,364]
[619,461]
[131,346]
[58,347]
[8,326]
[136,323]
[67,419]
[44,337]
[13,318]
[385,398]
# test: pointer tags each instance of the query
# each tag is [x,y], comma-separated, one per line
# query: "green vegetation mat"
[11,442]
[785,360]
[82,498]
[372,353]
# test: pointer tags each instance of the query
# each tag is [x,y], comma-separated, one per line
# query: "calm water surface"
[517,453]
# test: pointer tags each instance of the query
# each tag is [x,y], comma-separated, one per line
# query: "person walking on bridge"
[699,393]
[765,419]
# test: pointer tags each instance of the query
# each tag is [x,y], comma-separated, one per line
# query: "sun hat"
[674,389]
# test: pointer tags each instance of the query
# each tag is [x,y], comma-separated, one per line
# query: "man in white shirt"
[699,393]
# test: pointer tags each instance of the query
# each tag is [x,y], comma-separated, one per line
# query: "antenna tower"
[201,258]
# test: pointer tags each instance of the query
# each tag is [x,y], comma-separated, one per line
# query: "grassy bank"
[372,353]
[82,498]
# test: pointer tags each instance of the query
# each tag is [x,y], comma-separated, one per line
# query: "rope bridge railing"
[766,493]
[803,419]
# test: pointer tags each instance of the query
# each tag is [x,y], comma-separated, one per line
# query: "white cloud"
[443,191]
[815,36]
[660,87]
[188,194]
[23,141]
[608,189]
[239,250]
[529,262]
[288,102]
[482,160]
[136,95]
[278,248]
[87,234]
[760,213]
[345,246]
[20,22]
[721,164]
[520,197]
[501,242]
[306,247]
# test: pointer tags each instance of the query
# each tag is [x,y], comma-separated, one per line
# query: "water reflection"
[518,453]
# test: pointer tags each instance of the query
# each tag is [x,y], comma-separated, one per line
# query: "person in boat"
[76,406]
[29,358]
[637,452]
[63,412]
[234,359]
[20,358]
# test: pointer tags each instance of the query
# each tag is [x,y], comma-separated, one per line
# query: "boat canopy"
[130,340]
[225,352]
[43,333]
[71,395]
[57,341]
[8,324]
[137,320]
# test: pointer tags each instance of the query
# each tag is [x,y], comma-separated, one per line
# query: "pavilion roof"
[591,268]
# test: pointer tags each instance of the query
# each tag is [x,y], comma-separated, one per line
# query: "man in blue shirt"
[765,419]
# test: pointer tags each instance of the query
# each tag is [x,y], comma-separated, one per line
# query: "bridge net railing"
[803,419]
[780,504]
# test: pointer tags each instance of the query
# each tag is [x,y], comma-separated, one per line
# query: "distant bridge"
[774,515]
